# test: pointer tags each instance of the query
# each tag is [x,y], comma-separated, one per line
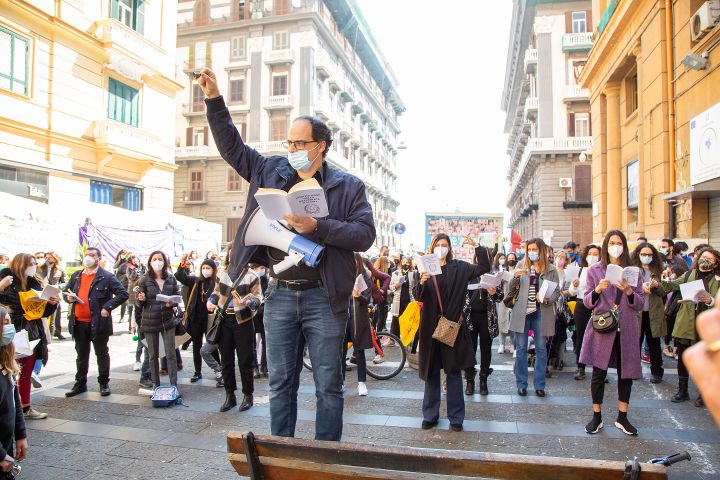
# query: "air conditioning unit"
[566,183]
[704,19]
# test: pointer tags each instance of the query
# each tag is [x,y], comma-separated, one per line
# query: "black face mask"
[511,263]
[406,268]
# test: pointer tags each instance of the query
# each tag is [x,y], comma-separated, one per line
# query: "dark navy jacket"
[349,227]
[106,292]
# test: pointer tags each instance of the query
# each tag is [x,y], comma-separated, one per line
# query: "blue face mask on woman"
[533,256]
[8,335]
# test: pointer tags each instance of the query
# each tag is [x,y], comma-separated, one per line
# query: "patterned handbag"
[446,331]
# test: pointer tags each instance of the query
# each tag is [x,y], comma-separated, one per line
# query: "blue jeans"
[454,397]
[293,319]
[532,322]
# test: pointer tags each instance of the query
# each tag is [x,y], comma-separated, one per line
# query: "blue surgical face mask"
[533,256]
[663,250]
[646,260]
[8,335]
[520,251]
[299,159]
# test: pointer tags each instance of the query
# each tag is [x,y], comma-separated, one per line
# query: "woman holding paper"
[358,328]
[16,289]
[589,257]
[502,264]
[619,348]
[443,295]
[536,284]
[158,318]
[652,322]
[696,298]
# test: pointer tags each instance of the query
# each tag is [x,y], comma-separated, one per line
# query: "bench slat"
[442,462]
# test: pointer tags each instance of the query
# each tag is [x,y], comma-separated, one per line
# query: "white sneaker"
[33,414]
[136,367]
[35,380]
[378,359]
[362,389]
[501,349]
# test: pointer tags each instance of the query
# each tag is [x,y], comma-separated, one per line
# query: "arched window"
[201,12]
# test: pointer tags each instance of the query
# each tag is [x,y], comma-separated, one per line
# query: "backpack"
[166,397]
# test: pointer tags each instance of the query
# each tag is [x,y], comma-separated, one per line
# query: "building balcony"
[531,108]
[117,36]
[193,109]
[238,107]
[273,146]
[277,57]
[126,140]
[575,93]
[196,197]
[323,65]
[278,102]
[577,42]
[193,151]
[531,59]
[322,110]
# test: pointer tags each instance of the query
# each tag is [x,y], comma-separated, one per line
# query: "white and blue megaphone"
[261,231]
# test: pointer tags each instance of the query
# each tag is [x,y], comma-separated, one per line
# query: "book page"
[488,280]
[428,263]
[614,274]
[691,290]
[309,203]
[507,276]
[631,275]
[546,290]
[571,273]
[49,291]
[168,298]
[360,284]
[273,202]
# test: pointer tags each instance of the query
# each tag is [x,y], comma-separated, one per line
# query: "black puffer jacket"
[200,291]
[156,316]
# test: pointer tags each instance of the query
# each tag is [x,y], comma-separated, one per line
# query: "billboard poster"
[484,228]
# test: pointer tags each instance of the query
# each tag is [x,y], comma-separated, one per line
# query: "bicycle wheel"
[389,359]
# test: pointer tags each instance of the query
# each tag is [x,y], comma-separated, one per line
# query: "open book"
[48,291]
[615,274]
[176,299]
[75,297]
[428,263]
[690,291]
[306,199]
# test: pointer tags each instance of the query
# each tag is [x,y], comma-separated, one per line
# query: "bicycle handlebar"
[671,459]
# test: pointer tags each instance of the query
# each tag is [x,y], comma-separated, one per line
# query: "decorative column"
[614,187]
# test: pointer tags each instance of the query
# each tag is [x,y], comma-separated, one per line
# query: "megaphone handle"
[293,259]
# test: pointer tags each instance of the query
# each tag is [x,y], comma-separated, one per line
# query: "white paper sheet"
[571,273]
[360,284]
[546,290]
[23,346]
[429,263]
[690,291]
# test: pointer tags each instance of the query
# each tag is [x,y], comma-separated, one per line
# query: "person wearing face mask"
[93,293]
[653,326]
[13,436]
[50,273]
[4,261]
[533,313]
[158,318]
[571,249]
[444,295]
[520,250]
[134,271]
[618,348]
[670,259]
[301,301]
[503,310]
[17,283]
[196,313]
[589,256]
[705,268]
[402,284]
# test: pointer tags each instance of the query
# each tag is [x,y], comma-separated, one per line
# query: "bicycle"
[389,360]
[633,468]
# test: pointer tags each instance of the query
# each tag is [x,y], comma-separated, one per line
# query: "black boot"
[77,389]
[247,402]
[682,393]
[230,402]
[257,373]
[699,402]
[483,384]
[470,386]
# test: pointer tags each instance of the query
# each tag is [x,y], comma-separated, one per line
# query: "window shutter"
[205,136]
[568,22]
[571,124]
[140,16]
[188,136]
[114,9]
[590,26]
[590,123]
[582,183]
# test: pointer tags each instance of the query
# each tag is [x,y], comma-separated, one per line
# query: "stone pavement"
[122,436]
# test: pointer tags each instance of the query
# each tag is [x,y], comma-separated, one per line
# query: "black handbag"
[607,322]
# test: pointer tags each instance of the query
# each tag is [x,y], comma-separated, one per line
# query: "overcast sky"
[450,62]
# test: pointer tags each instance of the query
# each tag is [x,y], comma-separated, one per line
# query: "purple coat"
[597,347]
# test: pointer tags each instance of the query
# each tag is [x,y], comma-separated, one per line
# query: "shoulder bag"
[446,331]
[213,326]
[607,322]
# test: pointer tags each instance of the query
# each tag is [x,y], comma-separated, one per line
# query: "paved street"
[122,436]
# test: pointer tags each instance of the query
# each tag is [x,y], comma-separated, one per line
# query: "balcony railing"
[531,59]
[284,55]
[193,108]
[194,196]
[279,102]
[122,137]
[114,34]
[577,42]
[531,108]
[273,146]
[192,151]
[575,93]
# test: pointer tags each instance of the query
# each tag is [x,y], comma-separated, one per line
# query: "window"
[199,136]
[200,50]
[278,128]
[281,40]
[24,182]
[196,186]
[237,10]
[577,68]
[237,90]
[631,94]
[198,98]
[122,103]
[237,48]
[633,184]
[130,13]
[281,7]
[234,181]
[233,225]
[128,198]
[14,58]
[280,84]
[582,124]
[579,22]
[201,12]
[582,182]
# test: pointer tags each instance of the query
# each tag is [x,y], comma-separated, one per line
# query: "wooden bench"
[279,458]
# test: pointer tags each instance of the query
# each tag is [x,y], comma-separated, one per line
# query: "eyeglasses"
[646,254]
[298,144]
